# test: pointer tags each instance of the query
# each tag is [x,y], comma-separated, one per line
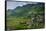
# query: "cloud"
[12,4]
[29,2]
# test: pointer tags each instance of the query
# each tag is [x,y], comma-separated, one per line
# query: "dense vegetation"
[30,16]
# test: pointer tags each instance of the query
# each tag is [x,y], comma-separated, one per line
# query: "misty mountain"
[26,10]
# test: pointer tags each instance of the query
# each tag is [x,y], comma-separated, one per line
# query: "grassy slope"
[17,23]
[21,23]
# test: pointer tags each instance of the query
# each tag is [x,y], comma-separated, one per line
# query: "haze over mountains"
[26,10]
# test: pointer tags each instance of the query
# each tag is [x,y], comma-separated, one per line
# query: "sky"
[12,5]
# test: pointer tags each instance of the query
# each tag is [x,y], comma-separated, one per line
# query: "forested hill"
[26,10]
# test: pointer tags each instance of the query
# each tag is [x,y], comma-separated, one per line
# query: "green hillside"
[30,16]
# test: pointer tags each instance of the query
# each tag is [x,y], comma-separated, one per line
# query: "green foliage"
[21,17]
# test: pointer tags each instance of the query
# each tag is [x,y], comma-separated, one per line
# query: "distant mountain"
[26,10]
